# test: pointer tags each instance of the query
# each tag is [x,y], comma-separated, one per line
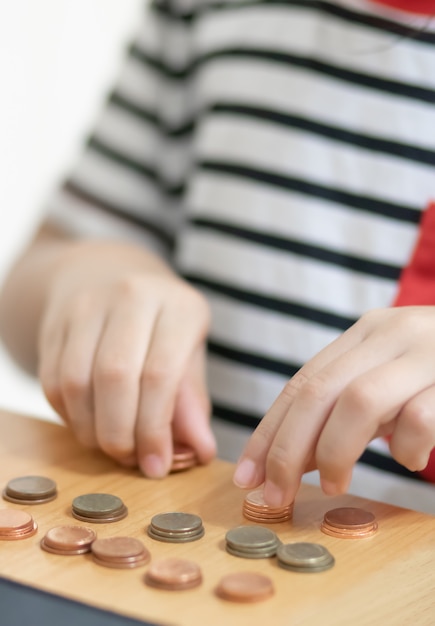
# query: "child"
[260,179]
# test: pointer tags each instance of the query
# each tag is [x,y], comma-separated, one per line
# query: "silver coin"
[180,538]
[164,533]
[176,522]
[304,570]
[97,505]
[303,554]
[31,488]
[263,553]
[250,536]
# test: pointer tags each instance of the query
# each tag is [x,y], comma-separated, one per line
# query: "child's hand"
[121,355]
[378,378]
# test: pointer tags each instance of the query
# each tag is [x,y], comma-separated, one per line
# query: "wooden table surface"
[386,579]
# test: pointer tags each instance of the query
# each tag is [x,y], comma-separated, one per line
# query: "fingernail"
[273,495]
[245,473]
[152,466]
[330,488]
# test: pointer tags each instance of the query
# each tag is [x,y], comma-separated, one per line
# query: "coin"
[184,457]
[98,508]
[349,523]
[16,525]
[68,540]
[120,552]
[304,557]
[251,542]
[176,527]
[245,587]
[30,490]
[256,510]
[173,574]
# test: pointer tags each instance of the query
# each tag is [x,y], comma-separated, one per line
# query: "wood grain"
[388,579]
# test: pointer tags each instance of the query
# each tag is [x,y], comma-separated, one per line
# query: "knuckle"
[361,398]
[115,445]
[293,386]
[316,388]
[193,305]
[420,417]
[111,371]
[73,384]
[156,373]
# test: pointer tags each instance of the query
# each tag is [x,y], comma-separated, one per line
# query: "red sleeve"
[417,287]
[423,7]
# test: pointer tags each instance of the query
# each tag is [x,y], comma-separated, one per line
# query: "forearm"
[24,293]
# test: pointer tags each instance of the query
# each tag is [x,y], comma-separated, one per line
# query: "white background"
[58,59]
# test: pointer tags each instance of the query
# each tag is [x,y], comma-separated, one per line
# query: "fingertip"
[245,474]
[153,466]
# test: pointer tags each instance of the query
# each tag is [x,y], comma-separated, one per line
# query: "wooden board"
[388,579]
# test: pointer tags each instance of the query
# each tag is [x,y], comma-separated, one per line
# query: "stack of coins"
[252,542]
[68,540]
[120,552]
[183,458]
[173,574]
[98,508]
[304,557]
[16,525]
[30,490]
[349,523]
[256,510]
[176,527]
[245,587]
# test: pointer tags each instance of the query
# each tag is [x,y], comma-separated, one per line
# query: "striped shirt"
[280,154]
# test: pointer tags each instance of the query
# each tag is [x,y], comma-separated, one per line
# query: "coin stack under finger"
[98,508]
[120,552]
[183,458]
[304,557]
[176,527]
[349,523]
[68,540]
[251,542]
[256,510]
[16,525]
[173,574]
[30,490]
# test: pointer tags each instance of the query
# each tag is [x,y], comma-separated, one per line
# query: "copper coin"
[16,525]
[174,574]
[245,587]
[341,534]
[117,547]
[120,552]
[255,499]
[30,490]
[68,540]
[349,517]
[349,523]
